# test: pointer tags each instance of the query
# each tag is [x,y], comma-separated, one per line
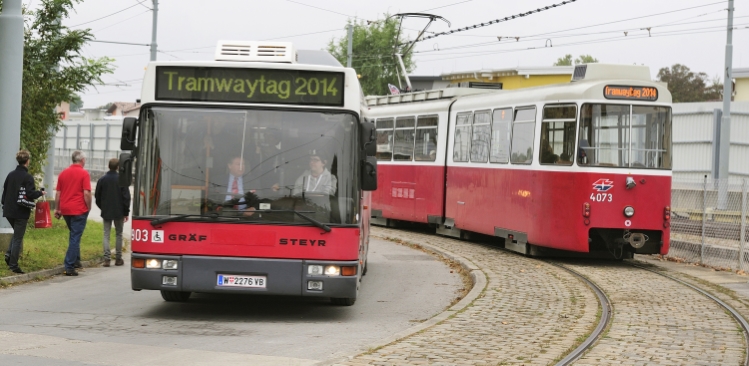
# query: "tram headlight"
[629,211]
[153,263]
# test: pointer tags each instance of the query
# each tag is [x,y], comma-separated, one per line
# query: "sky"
[655,33]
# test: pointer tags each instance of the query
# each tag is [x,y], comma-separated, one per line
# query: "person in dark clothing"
[114,202]
[18,184]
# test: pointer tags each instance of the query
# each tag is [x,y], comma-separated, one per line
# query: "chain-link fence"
[709,222]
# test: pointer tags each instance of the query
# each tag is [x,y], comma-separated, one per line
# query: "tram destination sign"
[246,85]
[626,92]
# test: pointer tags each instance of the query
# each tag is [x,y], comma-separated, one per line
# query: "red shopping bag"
[43,219]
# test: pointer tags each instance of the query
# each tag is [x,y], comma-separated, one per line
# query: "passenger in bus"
[238,196]
[582,154]
[317,179]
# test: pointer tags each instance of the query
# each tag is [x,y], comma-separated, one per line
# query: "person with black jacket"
[114,202]
[18,198]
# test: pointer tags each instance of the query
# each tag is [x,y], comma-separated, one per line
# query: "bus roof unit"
[254,51]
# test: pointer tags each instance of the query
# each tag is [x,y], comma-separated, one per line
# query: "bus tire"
[175,296]
[343,301]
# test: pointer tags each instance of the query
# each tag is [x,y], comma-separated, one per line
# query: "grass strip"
[45,248]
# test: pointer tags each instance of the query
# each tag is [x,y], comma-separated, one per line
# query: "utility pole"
[155,11]
[11,85]
[725,122]
[350,44]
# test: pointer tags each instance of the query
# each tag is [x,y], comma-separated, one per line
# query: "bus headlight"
[332,270]
[629,211]
[314,270]
[169,264]
[153,263]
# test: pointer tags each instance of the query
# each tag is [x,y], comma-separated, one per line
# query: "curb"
[478,278]
[30,276]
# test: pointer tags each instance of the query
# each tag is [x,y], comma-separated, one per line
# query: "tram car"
[580,167]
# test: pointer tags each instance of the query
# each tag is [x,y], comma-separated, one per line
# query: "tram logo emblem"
[603,185]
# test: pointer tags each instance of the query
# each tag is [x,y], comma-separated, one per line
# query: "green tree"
[76,103]
[374,46]
[583,59]
[687,86]
[54,70]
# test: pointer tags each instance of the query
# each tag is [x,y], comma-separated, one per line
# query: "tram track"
[646,320]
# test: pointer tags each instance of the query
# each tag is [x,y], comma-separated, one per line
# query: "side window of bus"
[480,137]
[500,150]
[384,139]
[558,135]
[522,136]
[462,137]
[426,138]
[403,149]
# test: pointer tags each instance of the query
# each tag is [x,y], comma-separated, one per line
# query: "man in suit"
[236,187]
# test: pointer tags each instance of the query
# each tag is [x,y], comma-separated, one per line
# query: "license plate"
[241,281]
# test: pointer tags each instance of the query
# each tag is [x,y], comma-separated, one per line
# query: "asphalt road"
[96,319]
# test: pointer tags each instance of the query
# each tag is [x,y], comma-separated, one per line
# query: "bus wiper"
[163,220]
[311,220]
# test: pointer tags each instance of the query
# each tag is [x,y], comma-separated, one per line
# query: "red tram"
[580,167]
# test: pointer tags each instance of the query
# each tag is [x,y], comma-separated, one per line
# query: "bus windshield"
[616,135]
[247,165]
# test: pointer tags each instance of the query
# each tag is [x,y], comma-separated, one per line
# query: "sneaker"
[71,273]
[18,271]
[119,262]
[78,264]
[106,263]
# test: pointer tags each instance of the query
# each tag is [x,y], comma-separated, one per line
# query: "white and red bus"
[252,174]
[583,166]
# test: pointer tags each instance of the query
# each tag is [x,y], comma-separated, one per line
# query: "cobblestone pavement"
[530,313]
[657,321]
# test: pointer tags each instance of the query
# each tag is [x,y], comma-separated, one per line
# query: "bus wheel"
[175,296]
[343,301]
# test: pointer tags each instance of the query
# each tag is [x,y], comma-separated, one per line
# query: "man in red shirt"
[73,203]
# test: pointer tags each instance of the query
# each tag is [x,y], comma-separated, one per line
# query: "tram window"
[522,136]
[403,147]
[500,148]
[426,138]
[558,135]
[651,137]
[462,143]
[384,139]
[480,137]
[603,139]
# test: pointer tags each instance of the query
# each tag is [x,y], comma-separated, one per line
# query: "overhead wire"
[107,16]
[112,25]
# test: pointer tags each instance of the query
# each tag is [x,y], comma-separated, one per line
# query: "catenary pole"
[725,122]
[11,84]
[350,44]
[154,47]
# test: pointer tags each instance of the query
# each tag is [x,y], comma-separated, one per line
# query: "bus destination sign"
[246,85]
[648,93]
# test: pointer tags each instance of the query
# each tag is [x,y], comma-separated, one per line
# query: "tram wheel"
[175,296]
[343,301]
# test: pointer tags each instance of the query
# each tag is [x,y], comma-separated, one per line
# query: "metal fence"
[707,227]
[100,140]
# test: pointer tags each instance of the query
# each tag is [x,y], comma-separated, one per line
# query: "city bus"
[252,175]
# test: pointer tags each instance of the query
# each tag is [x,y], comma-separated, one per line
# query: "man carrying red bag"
[18,198]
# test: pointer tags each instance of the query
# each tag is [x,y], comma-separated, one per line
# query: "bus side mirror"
[368,138]
[129,132]
[369,174]
[125,170]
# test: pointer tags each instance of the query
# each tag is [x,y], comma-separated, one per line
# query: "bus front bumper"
[209,275]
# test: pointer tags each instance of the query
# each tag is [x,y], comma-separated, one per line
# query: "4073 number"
[601,197]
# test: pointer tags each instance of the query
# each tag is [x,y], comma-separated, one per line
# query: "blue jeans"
[76,225]
[16,242]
